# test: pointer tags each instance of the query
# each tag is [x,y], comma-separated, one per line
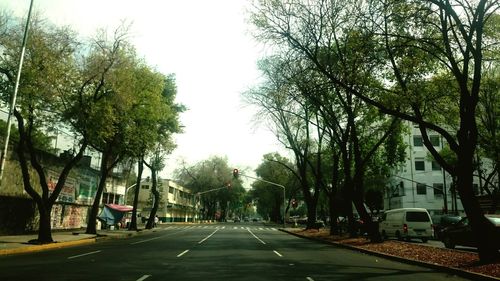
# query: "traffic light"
[235,173]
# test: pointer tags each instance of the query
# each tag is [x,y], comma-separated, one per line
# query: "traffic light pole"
[275,184]
[211,190]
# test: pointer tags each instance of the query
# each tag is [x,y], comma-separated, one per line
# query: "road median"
[454,262]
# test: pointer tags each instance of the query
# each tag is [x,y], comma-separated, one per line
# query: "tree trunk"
[369,225]
[483,230]
[333,212]
[140,168]
[347,195]
[156,200]
[312,206]
[44,231]
[91,226]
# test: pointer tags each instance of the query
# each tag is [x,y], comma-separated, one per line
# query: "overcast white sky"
[207,44]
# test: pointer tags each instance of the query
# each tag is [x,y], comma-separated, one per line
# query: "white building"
[420,180]
[177,203]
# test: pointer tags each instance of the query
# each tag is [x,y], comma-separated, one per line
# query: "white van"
[406,223]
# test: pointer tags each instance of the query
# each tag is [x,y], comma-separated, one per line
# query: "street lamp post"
[13,99]
[127,189]
[126,192]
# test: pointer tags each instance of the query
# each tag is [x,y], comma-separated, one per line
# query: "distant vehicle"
[406,223]
[460,233]
[237,219]
[302,220]
[292,219]
[440,222]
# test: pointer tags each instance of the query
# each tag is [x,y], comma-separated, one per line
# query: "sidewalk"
[18,244]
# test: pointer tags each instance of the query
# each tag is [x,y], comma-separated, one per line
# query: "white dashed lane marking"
[143,277]
[86,254]
[181,254]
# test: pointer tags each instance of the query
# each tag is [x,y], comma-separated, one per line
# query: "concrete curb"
[451,270]
[39,248]
[122,235]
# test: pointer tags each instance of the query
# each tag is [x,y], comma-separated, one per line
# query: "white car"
[406,223]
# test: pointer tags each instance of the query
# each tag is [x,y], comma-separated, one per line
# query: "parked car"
[440,222]
[460,233]
[406,223]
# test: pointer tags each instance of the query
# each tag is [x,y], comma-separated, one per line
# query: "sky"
[208,46]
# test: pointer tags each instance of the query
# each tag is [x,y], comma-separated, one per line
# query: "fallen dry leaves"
[468,261]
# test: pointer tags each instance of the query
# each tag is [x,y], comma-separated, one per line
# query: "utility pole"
[13,101]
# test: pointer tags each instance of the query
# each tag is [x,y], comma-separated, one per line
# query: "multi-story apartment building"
[420,181]
[177,203]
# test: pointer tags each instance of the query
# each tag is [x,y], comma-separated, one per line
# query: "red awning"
[120,208]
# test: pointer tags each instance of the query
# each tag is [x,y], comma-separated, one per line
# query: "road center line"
[309,279]
[181,254]
[256,237]
[86,254]
[143,277]
[208,236]
[279,255]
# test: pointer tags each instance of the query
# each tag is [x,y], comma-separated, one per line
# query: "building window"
[419,165]
[171,190]
[417,141]
[144,186]
[436,166]
[421,188]
[110,198]
[434,140]
[438,189]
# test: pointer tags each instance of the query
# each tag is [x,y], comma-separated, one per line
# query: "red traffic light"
[235,173]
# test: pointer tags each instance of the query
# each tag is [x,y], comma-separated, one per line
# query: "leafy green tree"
[211,180]
[45,87]
[167,125]
[296,122]
[489,129]
[406,43]
[41,141]
[269,198]
[156,118]
[336,114]
[131,94]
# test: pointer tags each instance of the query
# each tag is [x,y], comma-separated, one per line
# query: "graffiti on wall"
[66,216]
[68,191]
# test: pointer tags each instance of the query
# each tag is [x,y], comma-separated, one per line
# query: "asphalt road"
[230,251]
